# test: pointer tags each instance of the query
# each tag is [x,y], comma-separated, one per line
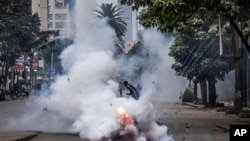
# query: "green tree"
[19,31]
[56,47]
[115,21]
[197,56]
[188,16]
[15,26]
[170,15]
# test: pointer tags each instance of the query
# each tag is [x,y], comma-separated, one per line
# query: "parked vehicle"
[18,95]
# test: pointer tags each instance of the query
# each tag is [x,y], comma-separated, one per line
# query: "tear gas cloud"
[87,93]
[85,98]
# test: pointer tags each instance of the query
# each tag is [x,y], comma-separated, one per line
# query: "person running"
[132,90]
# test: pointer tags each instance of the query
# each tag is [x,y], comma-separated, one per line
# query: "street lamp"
[51,65]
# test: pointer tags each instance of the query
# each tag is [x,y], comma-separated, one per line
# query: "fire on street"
[184,122]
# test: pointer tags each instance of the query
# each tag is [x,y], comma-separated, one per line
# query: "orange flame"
[123,117]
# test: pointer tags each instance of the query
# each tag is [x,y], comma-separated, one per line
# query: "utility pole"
[244,67]
[237,57]
[51,66]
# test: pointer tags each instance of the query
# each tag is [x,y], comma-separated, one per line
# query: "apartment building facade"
[54,15]
[59,17]
[41,8]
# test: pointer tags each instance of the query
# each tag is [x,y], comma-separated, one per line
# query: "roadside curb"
[195,106]
[17,135]
[26,138]
[224,128]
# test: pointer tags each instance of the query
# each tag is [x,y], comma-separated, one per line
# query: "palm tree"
[115,21]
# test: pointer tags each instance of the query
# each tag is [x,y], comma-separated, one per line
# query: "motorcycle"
[17,95]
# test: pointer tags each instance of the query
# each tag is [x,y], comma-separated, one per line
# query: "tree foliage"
[196,23]
[198,55]
[56,47]
[169,15]
[18,29]
[114,20]
[196,48]
[20,32]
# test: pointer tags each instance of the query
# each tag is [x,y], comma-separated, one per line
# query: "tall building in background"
[41,8]
[54,15]
[59,17]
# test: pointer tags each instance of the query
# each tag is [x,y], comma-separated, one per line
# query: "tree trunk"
[195,90]
[212,91]
[243,68]
[203,85]
[6,77]
[237,55]
[2,74]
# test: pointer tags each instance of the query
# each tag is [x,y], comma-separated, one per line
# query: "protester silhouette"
[132,90]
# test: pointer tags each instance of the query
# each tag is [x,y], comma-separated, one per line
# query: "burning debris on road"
[133,130]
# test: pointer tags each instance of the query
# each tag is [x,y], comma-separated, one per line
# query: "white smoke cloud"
[158,80]
[85,98]
[168,85]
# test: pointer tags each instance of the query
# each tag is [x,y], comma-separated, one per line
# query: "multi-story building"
[59,17]
[54,15]
[41,8]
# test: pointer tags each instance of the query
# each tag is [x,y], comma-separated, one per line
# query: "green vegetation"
[20,34]
[115,21]
[196,47]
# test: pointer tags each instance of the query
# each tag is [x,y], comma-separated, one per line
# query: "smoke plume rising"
[84,99]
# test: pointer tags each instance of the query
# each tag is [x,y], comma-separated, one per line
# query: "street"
[187,123]
[184,122]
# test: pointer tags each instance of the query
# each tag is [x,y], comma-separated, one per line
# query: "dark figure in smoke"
[121,88]
[26,91]
[132,90]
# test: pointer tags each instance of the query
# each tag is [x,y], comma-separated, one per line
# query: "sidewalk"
[17,135]
[193,122]
[242,118]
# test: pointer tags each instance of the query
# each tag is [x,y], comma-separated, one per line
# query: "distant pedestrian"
[26,91]
[132,90]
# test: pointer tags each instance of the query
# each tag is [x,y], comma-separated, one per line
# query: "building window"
[61,25]
[50,16]
[50,25]
[59,3]
[60,16]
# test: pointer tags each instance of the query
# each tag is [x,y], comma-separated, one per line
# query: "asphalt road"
[187,123]
[184,122]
